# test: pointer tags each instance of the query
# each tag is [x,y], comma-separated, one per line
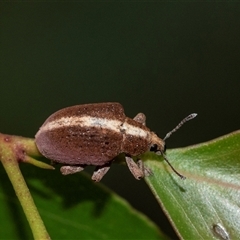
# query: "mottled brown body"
[93,134]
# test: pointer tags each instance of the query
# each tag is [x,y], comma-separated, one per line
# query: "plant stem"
[11,165]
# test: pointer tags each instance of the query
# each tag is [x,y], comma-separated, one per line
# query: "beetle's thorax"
[136,137]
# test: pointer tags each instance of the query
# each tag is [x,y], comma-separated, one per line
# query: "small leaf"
[37,163]
[207,204]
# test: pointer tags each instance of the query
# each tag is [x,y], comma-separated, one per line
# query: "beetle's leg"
[141,118]
[137,172]
[65,170]
[100,171]
[147,171]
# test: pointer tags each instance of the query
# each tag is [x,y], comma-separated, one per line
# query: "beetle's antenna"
[189,117]
[170,165]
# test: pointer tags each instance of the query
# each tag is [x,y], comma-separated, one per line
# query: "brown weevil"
[94,134]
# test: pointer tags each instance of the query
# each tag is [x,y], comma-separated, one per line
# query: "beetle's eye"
[154,148]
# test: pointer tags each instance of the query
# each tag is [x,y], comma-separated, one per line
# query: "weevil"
[94,134]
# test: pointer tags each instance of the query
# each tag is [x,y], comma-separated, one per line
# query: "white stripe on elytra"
[88,121]
[135,131]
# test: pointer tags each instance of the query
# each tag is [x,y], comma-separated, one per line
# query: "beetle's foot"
[65,170]
[100,171]
[136,171]
[147,171]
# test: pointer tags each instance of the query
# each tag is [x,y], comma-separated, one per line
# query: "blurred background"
[166,60]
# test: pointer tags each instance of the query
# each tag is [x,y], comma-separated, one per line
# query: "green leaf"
[207,204]
[72,207]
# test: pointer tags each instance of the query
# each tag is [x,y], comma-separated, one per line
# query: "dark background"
[164,59]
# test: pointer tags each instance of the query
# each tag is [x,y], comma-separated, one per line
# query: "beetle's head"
[157,144]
